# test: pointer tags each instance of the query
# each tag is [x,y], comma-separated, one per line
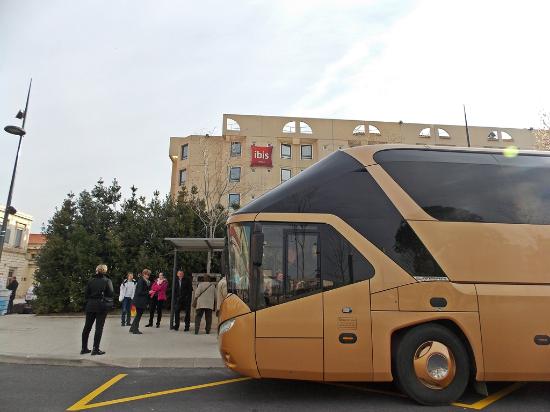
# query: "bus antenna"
[466,122]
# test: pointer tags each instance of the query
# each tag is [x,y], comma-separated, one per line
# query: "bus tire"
[432,365]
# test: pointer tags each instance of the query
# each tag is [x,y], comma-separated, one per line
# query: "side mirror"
[257,245]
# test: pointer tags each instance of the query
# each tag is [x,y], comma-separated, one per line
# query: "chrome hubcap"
[434,365]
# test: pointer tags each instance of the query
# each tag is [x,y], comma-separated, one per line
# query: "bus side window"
[302,274]
[341,263]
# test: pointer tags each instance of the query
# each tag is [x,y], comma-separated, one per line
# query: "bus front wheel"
[432,365]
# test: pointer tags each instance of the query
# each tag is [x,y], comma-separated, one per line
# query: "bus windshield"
[239,260]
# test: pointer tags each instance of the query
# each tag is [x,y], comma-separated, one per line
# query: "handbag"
[107,300]
[196,298]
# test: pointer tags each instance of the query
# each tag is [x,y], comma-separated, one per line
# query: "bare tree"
[542,135]
[207,198]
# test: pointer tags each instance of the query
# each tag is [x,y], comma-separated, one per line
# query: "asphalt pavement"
[59,388]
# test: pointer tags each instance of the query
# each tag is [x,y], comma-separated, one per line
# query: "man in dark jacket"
[183,289]
[99,300]
[141,299]
[13,285]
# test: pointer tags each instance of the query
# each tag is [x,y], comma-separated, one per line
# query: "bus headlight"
[225,326]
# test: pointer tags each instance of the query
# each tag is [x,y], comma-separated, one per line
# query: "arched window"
[505,136]
[290,127]
[232,125]
[442,133]
[425,132]
[493,136]
[373,130]
[359,130]
[305,128]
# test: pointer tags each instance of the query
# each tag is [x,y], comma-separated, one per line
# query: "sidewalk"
[55,340]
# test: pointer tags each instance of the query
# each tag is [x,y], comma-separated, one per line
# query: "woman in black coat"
[141,299]
[99,300]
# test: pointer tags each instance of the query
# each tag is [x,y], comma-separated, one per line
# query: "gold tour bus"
[426,266]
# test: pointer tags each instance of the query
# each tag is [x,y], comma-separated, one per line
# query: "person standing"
[158,297]
[221,294]
[141,299]
[127,290]
[12,285]
[183,289]
[205,303]
[99,300]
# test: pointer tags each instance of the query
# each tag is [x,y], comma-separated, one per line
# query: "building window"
[234,200]
[7,236]
[232,125]
[443,134]
[185,152]
[286,151]
[285,175]
[306,152]
[425,132]
[373,130]
[505,136]
[235,174]
[493,136]
[305,128]
[290,127]
[183,176]
[235,149]
[359,130]
[18,237]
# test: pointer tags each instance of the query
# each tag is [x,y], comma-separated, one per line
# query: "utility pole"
[466,122]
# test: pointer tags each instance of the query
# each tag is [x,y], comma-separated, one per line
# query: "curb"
[86,361]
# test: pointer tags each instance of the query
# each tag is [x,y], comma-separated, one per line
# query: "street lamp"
[17,131]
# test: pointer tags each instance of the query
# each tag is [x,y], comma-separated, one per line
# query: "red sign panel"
[261,156]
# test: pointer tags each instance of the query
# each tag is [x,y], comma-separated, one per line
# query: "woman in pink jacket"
[158,297]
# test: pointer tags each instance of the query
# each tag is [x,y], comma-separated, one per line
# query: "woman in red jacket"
[158,297]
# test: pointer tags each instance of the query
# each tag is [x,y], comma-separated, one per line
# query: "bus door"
[347,318]
[289,303]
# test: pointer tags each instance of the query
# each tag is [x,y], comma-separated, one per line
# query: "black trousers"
[137,318]
[155,305]
[10,306]
[198,319]
[182,306]
[99,319]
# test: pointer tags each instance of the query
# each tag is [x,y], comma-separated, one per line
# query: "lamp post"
[17,131]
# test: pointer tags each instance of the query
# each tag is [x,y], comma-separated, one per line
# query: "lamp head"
[16,130]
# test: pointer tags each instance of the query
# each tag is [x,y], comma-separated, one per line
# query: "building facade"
[256,153]
[14,256]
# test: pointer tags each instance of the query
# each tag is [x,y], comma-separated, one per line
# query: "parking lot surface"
[59,388]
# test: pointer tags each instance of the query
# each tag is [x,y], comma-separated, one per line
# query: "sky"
[113,80]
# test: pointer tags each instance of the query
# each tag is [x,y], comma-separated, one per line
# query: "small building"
[14,256]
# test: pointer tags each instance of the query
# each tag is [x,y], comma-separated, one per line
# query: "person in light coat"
[221,293]
[127,290]
[205,296]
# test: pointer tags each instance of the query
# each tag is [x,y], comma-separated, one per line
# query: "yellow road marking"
[81,404]
[479,405]
[84,403]
[483,403]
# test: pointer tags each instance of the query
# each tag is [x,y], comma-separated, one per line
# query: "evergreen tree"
[93,228]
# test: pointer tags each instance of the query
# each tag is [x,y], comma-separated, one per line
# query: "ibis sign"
[261,156]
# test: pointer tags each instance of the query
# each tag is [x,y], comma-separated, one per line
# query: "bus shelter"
[189,245]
